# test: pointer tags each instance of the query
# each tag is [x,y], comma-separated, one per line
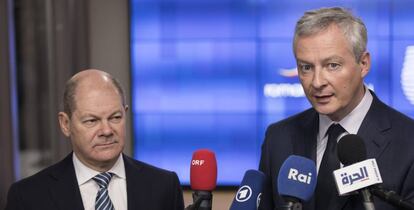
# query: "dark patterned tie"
[103,202]
[325,188]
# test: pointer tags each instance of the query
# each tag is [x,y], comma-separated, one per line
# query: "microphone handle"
[367,199]
[202,200]
[290,206]
[291,203]
[392,197]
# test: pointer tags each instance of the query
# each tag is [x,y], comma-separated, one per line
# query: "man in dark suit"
[332,61]
[96,175]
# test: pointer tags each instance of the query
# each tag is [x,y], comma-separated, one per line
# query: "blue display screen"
[214,74]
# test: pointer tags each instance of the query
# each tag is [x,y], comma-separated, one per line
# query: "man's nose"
[106,128]
[319,78]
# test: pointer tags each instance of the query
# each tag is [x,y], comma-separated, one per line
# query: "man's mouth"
[323,98]
[105,144]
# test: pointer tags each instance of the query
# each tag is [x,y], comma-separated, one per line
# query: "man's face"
[330,76]
[97,126]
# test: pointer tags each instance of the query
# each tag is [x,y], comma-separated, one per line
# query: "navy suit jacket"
[387,134]
[56,188]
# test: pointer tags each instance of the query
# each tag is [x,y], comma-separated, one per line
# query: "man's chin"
[324,109]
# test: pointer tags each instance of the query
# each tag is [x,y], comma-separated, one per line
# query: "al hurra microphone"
[203,179]
[296,181]
[362,174]
[358,173]
[250,191]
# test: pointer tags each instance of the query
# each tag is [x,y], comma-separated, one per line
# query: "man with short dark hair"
[332,62]
[96,175]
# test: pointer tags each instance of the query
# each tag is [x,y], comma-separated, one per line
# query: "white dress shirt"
[350,123]
[89,189]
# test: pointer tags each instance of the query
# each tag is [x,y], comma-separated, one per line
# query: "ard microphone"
[203,179]
[250,191]
[296,181]
[360,173]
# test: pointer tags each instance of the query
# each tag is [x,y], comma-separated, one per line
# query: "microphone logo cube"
[357,176]
[244,193]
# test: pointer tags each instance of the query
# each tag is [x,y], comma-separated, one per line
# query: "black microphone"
[351,149]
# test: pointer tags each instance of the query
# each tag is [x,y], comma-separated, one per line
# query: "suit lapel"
[64,188]
[373,128]
[135,184]
[304,143]
[371,131]
[304,139]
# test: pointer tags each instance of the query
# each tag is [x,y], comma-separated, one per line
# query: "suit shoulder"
[294,121]
[149,169]
[400,117]
[37,178]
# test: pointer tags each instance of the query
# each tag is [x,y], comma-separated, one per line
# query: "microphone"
[361,174]
[250,191]
[296,181]
[203,179]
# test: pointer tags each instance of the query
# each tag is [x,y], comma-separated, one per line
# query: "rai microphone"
[203,179]
[296,181]
[250,191]
[361,174]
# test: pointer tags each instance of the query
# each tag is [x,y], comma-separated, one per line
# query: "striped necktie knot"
[103,202]
[103,179]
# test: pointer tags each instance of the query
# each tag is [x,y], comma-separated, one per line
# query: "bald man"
[96,175]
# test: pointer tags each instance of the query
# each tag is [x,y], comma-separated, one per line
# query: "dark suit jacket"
[388,136]
[56,188]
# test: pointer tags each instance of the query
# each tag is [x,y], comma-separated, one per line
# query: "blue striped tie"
[103,202]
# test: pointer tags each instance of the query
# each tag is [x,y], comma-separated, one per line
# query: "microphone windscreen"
[203,170]
[297,178]
[351,149]
[250,191]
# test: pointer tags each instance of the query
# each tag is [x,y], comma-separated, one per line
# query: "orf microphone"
[250,191]
[203,179]
[296,181]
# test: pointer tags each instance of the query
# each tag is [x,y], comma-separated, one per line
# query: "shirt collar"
[352,121]
[84,173]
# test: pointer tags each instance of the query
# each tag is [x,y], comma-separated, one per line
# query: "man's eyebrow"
[89,115]
[335,57]
[302,61]
[116,112]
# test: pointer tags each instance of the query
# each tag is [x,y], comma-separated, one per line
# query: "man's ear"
[64,122]
[126,108]
[365,63]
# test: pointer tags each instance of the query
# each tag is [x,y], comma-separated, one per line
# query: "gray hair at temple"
[70,90]
[315,21]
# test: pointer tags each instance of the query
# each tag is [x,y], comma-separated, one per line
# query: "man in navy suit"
[96,175]
[332,62]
